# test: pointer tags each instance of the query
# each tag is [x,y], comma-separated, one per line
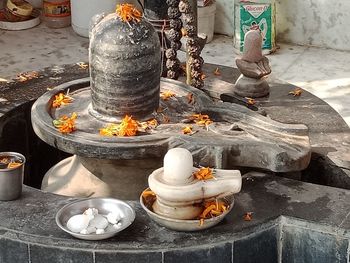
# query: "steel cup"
[11,179]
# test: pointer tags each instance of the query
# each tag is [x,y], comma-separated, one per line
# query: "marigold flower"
[204,173]
[128,127]
[4,160]
[61,99]
[187,130]
[83,65]
[212,209]
[296,92]
[201,119]
[165,95]
[150,124]
[148,193]
[251,101]
[12,165]
[128,12]
[22,77]
[66,124]
[111,129]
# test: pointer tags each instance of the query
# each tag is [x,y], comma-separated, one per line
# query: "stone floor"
[323,72]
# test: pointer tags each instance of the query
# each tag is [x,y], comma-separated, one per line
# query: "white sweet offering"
[78,222]
[92,222]
[117,226]
[99,231]
[99,222]
[115,217]
[88,230]
[91,212]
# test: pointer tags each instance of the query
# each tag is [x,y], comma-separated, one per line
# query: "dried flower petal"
[148,193]
[204,173]
[160,109]
[217,72]
[190,98]
[150,124]
[187,130]
[12,165]
[166,118]
[61,99]
[111,129]
[66,124]
[128,127]
[167,95]
[248,216]
[22,77]
[213,209]
[201,119]
[296,92]
[250,101]
[4,160]
[128,12]
[83,65]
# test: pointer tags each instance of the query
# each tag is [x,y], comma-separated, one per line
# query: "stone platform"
[292,221]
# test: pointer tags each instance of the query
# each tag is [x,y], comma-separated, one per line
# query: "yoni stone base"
[251,88]
[88,177]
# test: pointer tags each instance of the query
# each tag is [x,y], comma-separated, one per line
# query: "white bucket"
[206,20]
[84,10]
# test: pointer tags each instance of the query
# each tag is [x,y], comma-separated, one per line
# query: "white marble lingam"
[180,194]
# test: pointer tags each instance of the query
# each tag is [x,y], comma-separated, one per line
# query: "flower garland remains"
[66,124]
[128,13]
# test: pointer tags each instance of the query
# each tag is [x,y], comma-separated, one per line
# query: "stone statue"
[254,68]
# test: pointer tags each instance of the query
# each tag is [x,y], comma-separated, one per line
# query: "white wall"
[322,23]
[224,18]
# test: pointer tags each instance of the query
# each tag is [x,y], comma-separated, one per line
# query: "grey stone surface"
[259,141]
[42,254]
[30,220]
[219,253]
[306,245]
[258,247]
[13,251]
[125,257]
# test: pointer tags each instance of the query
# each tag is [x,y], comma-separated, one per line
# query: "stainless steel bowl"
[188,225]
[104,206]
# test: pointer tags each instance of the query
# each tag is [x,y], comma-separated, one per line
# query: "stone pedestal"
[251,88]
[90,177]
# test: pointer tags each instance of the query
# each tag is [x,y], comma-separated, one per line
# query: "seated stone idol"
[253,66]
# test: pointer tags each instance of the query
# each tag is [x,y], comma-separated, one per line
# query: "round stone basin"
[237,136]
[329,151]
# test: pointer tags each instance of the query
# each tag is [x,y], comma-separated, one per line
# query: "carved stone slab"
[237,137]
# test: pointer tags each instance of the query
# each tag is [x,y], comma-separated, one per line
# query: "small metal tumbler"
[11,179]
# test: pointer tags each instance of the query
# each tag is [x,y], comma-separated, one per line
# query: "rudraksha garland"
[195,61]
[174,35]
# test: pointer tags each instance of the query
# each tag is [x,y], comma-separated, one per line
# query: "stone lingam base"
[237,137]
